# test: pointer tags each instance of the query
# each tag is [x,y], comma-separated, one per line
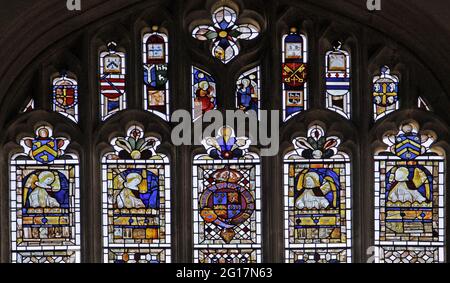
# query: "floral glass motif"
[227,201]
[385,93]
[338,76]
[203,93]
[225,34]
[409,198]
[65,96]
[248,88]
[294,73]
[29,107]
[112,82]
[156,73]
[317,200]
[136,201]
[45,201]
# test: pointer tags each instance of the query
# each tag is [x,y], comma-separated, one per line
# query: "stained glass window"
[409,198]
[29,107]
[224,33]
[338,77]
[136,201]
[385,93]
[156,77]
[45,201]
[423,104]
[317,200]
[65,96]
[227,201]
[294,73]
[112,81]
[248,88]
[203,93]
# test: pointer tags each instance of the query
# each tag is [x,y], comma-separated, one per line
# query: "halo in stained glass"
[409,197]
[136,194]
[45,201]
[317,200]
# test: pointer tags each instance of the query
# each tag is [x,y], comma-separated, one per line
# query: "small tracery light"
[225,33]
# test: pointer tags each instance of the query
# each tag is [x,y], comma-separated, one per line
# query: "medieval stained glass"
[224,33]
[317,200]
[65,96]
[156,76]
[409,198]
[294,73]
[136,201]
[29,107]
[248,88]
[338,77]
[203,93]
[385,93]
[112,81]
[227,201]
[423,104]
[45,201]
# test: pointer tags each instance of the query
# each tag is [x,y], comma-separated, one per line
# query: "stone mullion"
[363,187]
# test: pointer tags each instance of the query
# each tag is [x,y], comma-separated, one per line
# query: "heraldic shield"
[408,146]
[294,74]
[155,76]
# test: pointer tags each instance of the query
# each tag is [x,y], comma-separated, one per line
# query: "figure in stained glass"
[409,196]
[204,92]
[137,210]
[317,200]
[45,200]
[248,91]
[317,188]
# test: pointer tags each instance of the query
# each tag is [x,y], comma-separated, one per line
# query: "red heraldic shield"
[294,74]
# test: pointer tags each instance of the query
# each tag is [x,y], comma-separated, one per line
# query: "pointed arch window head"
[338,77]
[409,198]
[136,200]
[225,33]
[45,201]
[294,73]
[248,88]
[227,201]
[203,92]
[385,93]
[65,96]
[112,81]
[156,72]
[317,200]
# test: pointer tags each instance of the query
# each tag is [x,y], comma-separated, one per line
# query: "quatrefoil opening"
[225,34]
